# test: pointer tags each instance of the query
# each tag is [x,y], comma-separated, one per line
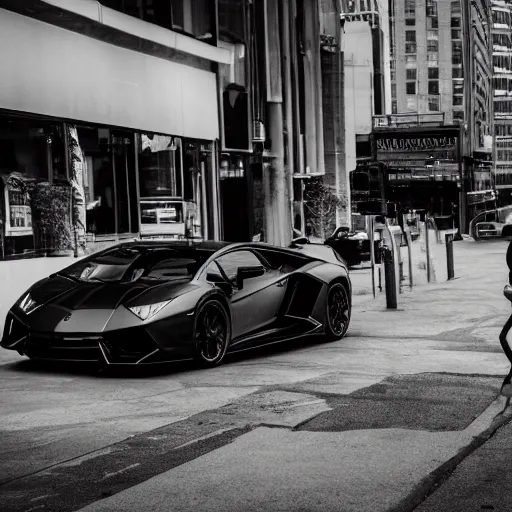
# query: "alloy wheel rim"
[338,308]
[211,332]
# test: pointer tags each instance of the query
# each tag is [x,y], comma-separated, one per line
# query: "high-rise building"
[375,14]
[502,81]
[426,57]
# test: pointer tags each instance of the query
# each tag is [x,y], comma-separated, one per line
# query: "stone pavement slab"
[282,470]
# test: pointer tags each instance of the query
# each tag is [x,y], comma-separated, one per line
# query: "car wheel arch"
[216,295]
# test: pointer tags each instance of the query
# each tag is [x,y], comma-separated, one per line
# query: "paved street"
[359,424]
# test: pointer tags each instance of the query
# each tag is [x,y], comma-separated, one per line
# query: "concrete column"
[288,106]
[279,222]
[333,111]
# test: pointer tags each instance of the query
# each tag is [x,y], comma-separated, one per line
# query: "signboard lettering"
[416,143]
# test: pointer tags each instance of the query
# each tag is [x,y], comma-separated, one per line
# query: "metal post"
[380,279]
[371,237]
[408,239]
[427,246]
[389,272]
[449,256]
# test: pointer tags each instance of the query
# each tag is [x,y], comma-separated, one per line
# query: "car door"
[257,303]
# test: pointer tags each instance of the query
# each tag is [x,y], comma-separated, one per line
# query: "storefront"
[424,168]
[131,137]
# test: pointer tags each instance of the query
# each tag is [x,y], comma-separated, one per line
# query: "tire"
[338,311]
[212,333]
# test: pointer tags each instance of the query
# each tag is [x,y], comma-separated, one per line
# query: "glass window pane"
[160,166]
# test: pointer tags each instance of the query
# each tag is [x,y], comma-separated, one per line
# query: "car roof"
[212,247]
[206,245]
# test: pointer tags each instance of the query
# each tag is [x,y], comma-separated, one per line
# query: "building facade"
[441,62]
[120,99]
[426,57]
[478,173]
[502,81]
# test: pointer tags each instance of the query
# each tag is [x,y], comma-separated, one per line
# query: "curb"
[436,478]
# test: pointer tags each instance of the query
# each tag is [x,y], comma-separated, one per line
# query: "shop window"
[29,151]
[160,168]
[98,177]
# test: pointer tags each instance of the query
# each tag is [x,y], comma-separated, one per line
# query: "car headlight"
[148,310]
[27,303]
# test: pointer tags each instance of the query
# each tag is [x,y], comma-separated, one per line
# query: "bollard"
[390,279]
[380,279]
[449,256]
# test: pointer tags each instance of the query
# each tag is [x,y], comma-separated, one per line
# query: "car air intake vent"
[14,331]
[304,298]
[128,346]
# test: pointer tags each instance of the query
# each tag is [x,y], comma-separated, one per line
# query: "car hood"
[58,298]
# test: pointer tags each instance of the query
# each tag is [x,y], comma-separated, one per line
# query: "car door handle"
[281,283]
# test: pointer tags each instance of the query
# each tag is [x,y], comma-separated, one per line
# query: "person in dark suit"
[506,387]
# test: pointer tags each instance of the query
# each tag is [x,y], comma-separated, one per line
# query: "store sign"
[416,143]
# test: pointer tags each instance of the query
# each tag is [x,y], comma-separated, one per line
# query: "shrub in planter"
[51,218]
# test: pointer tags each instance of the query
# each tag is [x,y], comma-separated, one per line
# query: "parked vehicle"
[353,247]
[489,224]
[145,302]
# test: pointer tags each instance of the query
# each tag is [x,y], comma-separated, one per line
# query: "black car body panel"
[135,303]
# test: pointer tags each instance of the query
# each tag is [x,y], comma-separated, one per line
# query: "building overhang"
[90,18]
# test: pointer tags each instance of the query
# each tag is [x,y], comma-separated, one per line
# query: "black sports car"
[147,302]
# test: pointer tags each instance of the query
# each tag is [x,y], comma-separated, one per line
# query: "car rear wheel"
[338,312]
[212,333]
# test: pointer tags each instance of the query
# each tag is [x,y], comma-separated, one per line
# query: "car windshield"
[133,264]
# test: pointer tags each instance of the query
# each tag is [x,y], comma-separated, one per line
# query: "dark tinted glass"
[124,264]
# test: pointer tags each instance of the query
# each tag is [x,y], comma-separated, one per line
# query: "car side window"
[232,261]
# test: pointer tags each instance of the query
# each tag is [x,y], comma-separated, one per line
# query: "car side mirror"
[244,273]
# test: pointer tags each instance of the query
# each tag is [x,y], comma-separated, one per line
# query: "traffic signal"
[368,189]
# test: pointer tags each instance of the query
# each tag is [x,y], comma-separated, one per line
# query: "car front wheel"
[212,333]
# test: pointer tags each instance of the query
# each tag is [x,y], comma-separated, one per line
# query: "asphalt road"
[71,437]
